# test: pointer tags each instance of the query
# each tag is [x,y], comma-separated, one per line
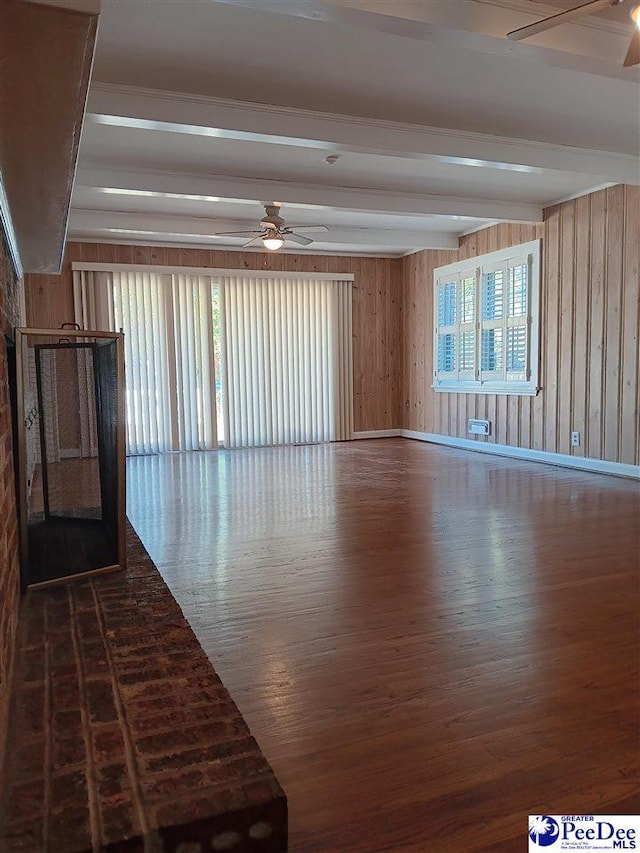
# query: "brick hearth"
[122,737]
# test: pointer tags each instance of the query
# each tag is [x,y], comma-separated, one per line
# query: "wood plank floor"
[428,644]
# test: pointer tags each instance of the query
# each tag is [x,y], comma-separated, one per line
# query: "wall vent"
[478,427]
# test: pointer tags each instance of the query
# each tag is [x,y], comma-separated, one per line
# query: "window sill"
[521,389]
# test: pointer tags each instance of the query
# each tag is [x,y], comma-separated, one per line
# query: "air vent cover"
[478,427]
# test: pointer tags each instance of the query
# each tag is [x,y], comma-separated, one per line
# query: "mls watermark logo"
[583,832]
[543,830]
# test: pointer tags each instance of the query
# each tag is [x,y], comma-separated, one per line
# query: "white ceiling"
[200,110]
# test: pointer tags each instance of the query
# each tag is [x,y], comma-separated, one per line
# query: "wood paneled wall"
[377,292]
[589,328]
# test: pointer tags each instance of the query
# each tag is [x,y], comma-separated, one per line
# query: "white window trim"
[529,387]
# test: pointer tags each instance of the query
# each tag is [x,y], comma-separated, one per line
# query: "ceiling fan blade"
[309,228]
[252,241]
[560,18]
[236,233]
[298,238]
[633,54]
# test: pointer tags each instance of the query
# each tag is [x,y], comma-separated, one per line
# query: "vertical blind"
[286,356]
[93,309]
[169,368]
[194,382]
[287,352]
[138,300]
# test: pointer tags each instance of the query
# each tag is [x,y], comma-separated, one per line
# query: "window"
[486,323]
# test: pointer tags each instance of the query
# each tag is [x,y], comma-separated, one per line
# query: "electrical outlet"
[575,439]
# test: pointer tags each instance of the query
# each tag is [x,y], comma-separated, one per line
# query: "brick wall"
[9,317]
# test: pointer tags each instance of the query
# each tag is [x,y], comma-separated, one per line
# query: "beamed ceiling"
[200,111]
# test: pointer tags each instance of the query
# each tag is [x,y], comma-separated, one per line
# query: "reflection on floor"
[428,644]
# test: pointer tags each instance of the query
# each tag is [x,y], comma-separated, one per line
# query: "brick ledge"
[122,736]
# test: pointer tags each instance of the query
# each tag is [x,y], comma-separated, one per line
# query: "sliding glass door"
[216,314]
[171,378]
[287,360]
[244,360]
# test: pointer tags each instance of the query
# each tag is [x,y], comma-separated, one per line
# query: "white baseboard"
[378,433]
[599,466]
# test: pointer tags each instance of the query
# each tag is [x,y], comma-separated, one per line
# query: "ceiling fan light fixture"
[272,243]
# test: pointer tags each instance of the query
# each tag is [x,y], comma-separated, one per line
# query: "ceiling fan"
[633,54]
[274,231]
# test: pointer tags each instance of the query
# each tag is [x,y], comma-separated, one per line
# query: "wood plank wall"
[377,291]
[589,327]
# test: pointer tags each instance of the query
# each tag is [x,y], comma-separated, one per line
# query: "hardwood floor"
[429,645]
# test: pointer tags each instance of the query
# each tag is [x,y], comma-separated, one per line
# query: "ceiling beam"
[45,65]
[193,114]
[156,226]
[347,198]
[477,30]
